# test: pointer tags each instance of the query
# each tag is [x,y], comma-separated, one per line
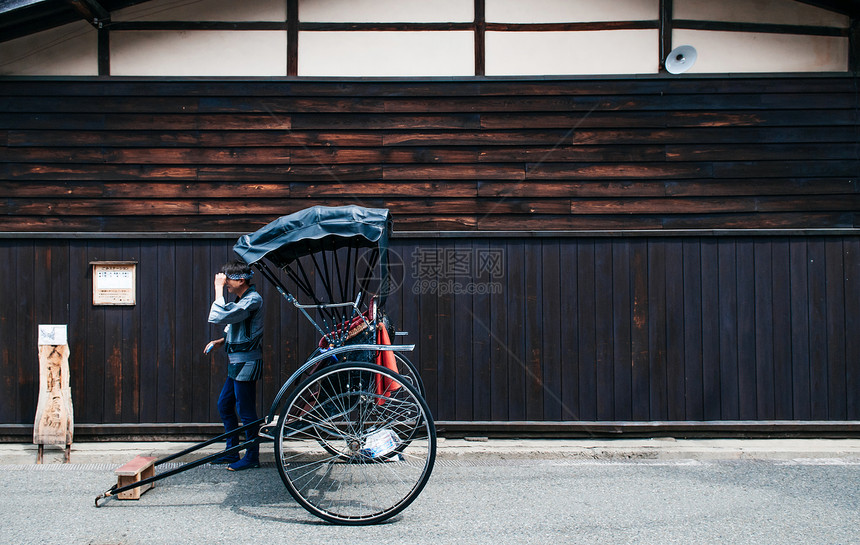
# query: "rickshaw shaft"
[217,439]
[113,491]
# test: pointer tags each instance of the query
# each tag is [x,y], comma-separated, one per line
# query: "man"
[243,333]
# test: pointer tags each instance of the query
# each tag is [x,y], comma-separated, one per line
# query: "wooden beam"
[666,11]
[571,27]
[200,25]
[845,7]
[740,428]
[480,38]
[763,28]
[104,51]
[680,429]
[92,11]
[854,46]
[385,26]
[292,37]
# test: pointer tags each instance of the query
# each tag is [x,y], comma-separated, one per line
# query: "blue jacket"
[244,326]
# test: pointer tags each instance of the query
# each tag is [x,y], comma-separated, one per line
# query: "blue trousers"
[239,396]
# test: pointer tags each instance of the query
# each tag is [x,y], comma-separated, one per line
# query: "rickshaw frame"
[338,348]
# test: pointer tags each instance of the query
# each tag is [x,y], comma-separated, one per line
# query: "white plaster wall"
[204,10]
[785,12]
[72,49]
[198,53]
[384,11]
[548,53]
[570,11]
[355,53]
[720,52]
[67,50]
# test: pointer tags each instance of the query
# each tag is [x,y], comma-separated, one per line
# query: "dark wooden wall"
[590,315]
[643,328]
[550,329]
[649,153]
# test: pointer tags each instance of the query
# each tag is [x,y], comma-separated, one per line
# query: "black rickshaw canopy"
[314,229]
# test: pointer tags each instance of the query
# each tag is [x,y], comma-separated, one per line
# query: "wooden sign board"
[54,422]
[114,282]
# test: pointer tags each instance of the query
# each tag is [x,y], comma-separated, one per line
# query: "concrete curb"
[495,449]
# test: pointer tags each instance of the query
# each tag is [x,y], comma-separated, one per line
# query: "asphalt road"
[550,502]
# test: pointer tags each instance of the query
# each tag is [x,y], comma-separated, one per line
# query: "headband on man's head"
[241,276]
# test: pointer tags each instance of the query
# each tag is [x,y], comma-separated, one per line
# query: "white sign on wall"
[53,335]
[114,282]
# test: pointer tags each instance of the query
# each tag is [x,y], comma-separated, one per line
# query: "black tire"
[350,453]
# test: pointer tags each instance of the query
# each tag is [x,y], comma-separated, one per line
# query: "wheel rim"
[356,444]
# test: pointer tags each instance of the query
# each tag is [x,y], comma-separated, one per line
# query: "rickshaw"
[354,440]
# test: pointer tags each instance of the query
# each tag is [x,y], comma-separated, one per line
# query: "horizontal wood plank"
[555,154]
[687,188]
[701,100]
[134,87]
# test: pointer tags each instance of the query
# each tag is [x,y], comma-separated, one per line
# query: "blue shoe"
[226,459]
[247,462]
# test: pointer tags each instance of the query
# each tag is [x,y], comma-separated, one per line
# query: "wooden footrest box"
[142,467]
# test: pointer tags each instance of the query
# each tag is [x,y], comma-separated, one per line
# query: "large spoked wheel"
[355,443]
